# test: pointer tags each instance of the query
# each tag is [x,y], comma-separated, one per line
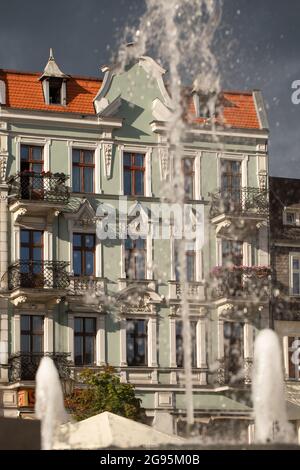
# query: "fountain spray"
[180,33]
[268,392]
[49,406]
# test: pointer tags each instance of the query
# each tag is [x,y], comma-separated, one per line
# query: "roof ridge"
[76,77]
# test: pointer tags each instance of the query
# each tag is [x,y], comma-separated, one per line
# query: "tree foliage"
[103,391]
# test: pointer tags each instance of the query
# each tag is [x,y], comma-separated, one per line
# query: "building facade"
[74,146]
[285,259]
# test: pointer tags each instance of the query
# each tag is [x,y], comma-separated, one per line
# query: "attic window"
[55,91]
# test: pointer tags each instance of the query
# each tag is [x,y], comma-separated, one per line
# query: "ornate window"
[83,167]
[136,342]
[85,340]
[134,174]
[32,333]
[83,254]
[135,258]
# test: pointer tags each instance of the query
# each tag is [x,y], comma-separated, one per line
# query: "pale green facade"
[134,124]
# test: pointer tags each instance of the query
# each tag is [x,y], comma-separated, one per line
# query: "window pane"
[296,263]
[127,182]
[77,268]
[89,263]
[88,180]
[89,241]
[127,159]
[139,182]
[88,156]
[24,253]
[89,349]
[194,343]
[37,168]
[37,153]
[140,243]
[190,267]
[179,344]
[37,238]
[25,322]
[78,353]
[140,266]
[77,239]
[37,254]
[24,152]
[139,160]
[25,343]
[296,287]
[90,325]
[78,325]
[76,179]
[37,343]
[37,324]
[24,236]
[76,156]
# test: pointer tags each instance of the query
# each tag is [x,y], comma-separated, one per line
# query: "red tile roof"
[24,91]
[238,111]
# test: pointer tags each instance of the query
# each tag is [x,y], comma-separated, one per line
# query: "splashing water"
[49,405]
[268,392]
[180,34]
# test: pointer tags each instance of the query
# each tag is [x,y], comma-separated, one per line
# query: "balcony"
[36,193]
[24,366]
[81,285]
[239,209]
[38,279]
[241,283]
[194,290]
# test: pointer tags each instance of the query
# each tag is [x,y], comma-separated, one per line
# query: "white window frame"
[39,142]
[63,93]
[100,345]
[201,344]
[147,151]
[151,338]
[198,261]
[98,246]
[86,145]
[48,346]
[235,157]
[293,255]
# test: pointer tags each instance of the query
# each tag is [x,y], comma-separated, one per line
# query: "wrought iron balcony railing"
[243,201]
[23,366]
[38,275]
[241,282]
[49,187]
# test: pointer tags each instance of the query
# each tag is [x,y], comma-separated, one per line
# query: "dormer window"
[54,83]
[291,218]
[55,91]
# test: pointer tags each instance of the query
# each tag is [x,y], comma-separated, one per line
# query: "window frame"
[132,252]
[191,174]
[31,333]
[144,335]
[82,249]
[194,349]
[294,255]
[84,335]
[133,169]
[82,165]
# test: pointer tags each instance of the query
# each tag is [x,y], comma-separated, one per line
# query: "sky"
[257,47]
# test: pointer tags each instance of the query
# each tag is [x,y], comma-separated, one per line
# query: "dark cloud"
[257,47]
